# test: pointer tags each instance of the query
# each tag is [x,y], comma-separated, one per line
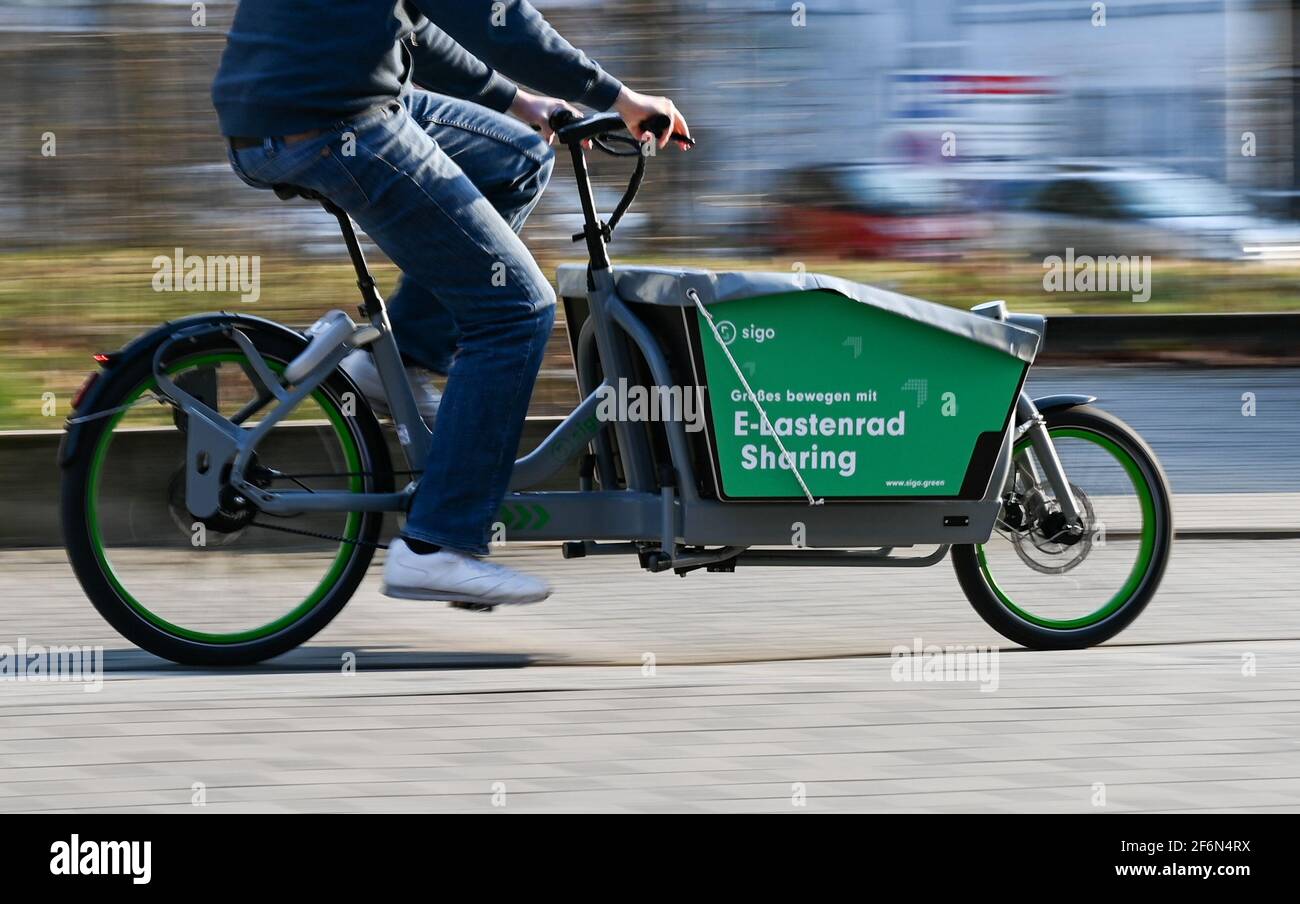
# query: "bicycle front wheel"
[1044,587]
[239,586]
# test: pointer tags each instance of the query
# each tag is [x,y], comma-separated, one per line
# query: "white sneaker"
[360,366]
[456,577]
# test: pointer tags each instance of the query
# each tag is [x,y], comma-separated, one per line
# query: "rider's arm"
[512,36]
[442,65]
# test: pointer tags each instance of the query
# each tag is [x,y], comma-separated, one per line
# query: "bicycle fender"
[1061,402]
[144,346]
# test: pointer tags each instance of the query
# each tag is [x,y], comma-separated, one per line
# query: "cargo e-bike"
[728,420]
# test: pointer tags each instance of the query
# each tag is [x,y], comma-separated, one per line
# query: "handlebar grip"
[659,122]
[560,118]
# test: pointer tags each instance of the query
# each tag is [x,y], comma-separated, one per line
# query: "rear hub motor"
[234,513]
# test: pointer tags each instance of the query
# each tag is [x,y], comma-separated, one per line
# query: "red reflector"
[101,358]
[85,388]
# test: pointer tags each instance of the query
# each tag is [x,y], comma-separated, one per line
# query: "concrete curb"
[30,476]
[1204,339]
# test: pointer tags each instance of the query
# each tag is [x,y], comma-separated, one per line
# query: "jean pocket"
[337,181]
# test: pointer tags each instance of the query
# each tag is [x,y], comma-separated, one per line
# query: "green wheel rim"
[350,531]
[1145,551]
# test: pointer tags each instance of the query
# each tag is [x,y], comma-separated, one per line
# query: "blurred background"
[942,148]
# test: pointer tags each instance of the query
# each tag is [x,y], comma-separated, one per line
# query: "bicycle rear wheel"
[241,585]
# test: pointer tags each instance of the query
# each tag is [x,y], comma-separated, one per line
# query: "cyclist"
[327,96]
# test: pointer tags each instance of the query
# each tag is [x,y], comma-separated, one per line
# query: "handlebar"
[602,129]
[570,129]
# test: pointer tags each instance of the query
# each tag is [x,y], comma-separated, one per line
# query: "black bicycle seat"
[286,192]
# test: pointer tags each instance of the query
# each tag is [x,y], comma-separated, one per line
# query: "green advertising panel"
[867,403]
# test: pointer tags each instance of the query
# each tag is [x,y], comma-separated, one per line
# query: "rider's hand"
[637,108]
[536,110]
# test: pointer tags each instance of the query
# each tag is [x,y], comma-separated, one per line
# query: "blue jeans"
[442,186]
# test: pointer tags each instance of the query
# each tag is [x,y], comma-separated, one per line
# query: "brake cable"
[604,143]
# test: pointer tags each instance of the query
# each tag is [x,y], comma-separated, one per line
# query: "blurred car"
[1133,211]
[868,210]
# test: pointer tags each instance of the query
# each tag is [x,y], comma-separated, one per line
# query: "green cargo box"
[868,394]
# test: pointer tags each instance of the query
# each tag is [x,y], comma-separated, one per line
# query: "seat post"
[372,304]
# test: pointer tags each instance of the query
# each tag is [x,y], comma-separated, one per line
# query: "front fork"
[1029,421]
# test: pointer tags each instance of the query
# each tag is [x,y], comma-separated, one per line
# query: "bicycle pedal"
[472,607]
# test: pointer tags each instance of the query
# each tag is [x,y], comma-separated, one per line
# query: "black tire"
[276,345]
[1019,629]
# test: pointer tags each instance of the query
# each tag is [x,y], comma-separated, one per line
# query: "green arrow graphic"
[544,517]
[506,517]
[523,517]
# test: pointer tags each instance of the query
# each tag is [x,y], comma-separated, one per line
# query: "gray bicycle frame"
[662,509]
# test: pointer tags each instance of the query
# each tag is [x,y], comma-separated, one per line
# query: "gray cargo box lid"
[668,286]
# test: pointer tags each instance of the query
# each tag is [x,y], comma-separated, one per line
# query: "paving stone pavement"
[1105,730]
[762,680]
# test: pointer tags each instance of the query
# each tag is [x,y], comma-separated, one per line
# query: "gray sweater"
[294,65]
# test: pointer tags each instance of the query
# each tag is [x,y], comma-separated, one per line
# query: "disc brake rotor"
[1051,553]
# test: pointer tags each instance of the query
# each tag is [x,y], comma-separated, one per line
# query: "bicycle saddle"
[285,192]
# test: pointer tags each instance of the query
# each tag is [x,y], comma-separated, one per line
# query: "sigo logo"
[753,332]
